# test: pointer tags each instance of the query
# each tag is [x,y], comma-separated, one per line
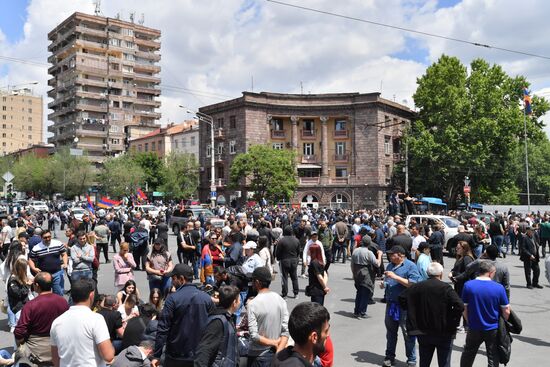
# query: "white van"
[448,224]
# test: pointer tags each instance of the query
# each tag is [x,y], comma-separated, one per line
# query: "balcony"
[341,134]
[219,133]
[309,159]
[341,157]
[309,180]
[278,134]
[340,180]
[309,134]
[219,158]
[220,182]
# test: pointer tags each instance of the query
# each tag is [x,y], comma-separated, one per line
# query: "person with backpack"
[218,345]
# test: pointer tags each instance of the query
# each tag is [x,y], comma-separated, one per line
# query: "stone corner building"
[346,144]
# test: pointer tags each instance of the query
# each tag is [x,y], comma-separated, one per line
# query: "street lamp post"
[210,121]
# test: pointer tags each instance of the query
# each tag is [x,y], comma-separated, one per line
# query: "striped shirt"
[48,258]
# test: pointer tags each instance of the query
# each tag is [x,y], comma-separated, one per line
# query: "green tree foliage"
[121,176]
[73,174]
[33,174]
[469,124]
[153,167]
[181,177]
[269,173]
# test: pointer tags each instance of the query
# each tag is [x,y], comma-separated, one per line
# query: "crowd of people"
[212,304]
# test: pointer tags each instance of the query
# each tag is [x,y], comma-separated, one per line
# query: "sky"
[213,50]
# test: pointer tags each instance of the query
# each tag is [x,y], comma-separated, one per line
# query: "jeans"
[478,250]
[318,299]
[392,328]
[427,344]
[163,284]
[104,246]
[241,309]
[289,267]
[528,266]
[81,274]
[115,237]
[58,283]
[263,360]
[362,298]
[474,338]
[498,241]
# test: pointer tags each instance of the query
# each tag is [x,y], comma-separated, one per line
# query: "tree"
[469,124]
[33,174]
[269,173]
[181,177]
[121,176]
[73,174]
[153,167]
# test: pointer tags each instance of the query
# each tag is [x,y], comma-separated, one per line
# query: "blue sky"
[12,18]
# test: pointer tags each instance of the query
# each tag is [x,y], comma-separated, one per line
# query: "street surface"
[362,342]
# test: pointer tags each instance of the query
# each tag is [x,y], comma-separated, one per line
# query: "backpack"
[228,354]
[139,239]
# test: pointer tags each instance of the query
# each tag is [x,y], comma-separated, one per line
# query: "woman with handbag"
[159,263]
[317,276]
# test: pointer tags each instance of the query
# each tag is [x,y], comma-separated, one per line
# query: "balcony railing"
[219,133]
[309,180]
[341,157]
[339,180]
[308,134]
[278,134]
[220,182]
[219,158]
[309,159]
[341,133]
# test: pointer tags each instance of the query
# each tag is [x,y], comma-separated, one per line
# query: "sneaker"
[538,286]
[411,364]
[529,287]
[388,363]
[296,296]
[357,316]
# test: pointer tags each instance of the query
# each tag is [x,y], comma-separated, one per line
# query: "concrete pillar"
[325,150]
[294,122]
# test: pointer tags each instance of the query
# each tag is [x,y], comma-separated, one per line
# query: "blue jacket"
[407,270]
[184,316]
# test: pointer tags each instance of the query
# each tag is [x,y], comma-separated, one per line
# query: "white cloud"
[217,46]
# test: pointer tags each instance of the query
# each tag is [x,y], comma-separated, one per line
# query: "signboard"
[158,193]
[8,176]
[466,189]
[213,194]
[77,152]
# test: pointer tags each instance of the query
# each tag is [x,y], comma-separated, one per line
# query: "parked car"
[180,217]
[79,212]
[38,206]
[448,224]
[152,210]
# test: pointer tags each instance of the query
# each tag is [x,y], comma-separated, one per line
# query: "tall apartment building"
[104,83]
[346,144]
[21,120]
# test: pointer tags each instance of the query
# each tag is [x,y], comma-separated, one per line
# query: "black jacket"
[184,313]
[288,246]
[289,358]
[212,339]
[433,308]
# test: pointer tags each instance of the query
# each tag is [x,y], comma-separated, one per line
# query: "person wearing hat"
[185,312]
[363,264]
[530,256]
[267,321]
[423,259]
[400,274]
[252,259]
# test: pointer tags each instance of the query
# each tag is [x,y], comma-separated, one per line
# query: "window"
[3,135]
[114,129]
[208,150]
[340,125]
[3,108]
[139,147]
[128,44]
[127,32]
[153,146]
[192,141]
[341,172]
[114,42]
[309,125]
[220,172]
[388,172]
[115,141]
[30,119]
[340,148]
[386,121]
[220,148]
[176,143]
[146,147]
[30,110]
[387,145]
[3,117]
[309,149]
[183,142]
[277,124]
[278,146]
[127,69]
[232,122]
[30,137]
[232,147]
[30,128]
[159,145]
[220,123]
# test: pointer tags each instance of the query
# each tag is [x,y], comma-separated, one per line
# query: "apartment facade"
[178,138]
[20,119]
[104,82]
[346,144]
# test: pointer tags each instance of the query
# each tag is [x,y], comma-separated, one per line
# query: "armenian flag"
[141,195]
[107,203]
[527,101]
[90,204]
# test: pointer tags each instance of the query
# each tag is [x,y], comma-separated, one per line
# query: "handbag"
[308,291]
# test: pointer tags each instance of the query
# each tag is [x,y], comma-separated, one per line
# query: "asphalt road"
[362,342]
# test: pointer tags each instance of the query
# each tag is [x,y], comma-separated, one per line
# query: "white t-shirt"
[253,262]
[7,233]
[145,223]
[416,241]
[76,334]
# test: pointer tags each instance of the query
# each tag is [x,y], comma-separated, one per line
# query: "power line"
[477,44]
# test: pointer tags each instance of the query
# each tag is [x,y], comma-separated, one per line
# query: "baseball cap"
[305,218]
[182,270]
[397,250]
[262,274]
[313,233]
[250,245]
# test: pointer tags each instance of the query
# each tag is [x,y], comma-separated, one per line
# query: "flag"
[107,203]
[90,204]
[527,101]
[141,195]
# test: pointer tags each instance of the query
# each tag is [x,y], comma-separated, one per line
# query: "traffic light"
[9,191]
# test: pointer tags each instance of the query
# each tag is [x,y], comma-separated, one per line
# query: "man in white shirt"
[80,337]
[417,240]
[5,237]
[313,238]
